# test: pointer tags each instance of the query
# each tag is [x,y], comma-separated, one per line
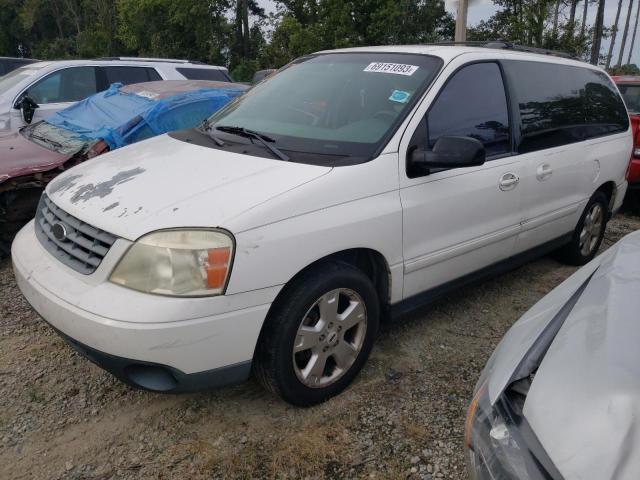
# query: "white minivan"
[351,186]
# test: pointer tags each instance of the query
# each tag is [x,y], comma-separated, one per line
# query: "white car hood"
[584,402]
[166,183]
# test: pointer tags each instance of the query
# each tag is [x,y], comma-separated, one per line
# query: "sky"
[483,9]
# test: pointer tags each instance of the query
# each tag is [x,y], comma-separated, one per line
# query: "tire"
[588,235]
[327,334]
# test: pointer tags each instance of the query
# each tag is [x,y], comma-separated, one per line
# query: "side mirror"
[450,152]
[28,107]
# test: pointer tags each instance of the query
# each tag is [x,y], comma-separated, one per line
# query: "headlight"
[177,262]
[496,449]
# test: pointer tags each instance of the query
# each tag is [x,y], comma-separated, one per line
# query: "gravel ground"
[62,417]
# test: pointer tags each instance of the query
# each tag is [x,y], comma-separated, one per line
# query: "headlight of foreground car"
[496,447]
[178,263]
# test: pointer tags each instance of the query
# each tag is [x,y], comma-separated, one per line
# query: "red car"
[629,87]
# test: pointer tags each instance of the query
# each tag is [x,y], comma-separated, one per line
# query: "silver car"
[560,396]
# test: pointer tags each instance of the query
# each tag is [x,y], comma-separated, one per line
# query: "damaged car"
[560,397]
[350,187]
[119,116]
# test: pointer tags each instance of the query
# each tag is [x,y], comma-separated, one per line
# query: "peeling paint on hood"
[167,183]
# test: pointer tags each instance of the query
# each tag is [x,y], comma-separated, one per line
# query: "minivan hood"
[168,183]
[584,402]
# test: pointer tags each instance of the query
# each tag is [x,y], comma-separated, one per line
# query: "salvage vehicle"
[629,87]
[8,64]
[351,186]
[105,121]
[35,91]
[559,396]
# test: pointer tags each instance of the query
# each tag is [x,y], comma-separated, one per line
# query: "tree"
[583,25]
[597,33]
[624,35]
[633,38]
[614,31]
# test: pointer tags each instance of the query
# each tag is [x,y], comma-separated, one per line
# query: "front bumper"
[154,342]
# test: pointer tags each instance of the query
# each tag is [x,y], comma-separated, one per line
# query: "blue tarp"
[121,118]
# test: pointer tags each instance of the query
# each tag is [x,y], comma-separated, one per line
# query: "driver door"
[458,221]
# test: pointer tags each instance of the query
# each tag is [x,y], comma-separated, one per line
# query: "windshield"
[16,76]
[340,104]
[55,138]
[631,95]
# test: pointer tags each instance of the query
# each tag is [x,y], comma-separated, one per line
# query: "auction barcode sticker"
[396,68]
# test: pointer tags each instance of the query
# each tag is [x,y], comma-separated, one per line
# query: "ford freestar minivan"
[351,186]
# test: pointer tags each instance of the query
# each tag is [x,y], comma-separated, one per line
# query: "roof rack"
[504,45]
[140,59]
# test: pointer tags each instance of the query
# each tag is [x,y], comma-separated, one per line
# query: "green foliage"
[531,23]
[628,69]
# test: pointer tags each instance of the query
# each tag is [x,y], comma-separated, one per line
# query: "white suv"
[52,86]
[349,187]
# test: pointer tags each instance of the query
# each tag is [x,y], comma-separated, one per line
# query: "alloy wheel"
[330,337]
[591,229]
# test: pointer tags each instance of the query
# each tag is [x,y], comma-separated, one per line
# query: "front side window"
[333,105]
[68,85]
[473,104]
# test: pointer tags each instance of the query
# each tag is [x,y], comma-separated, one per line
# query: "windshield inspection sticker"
[399,96]
[396,68]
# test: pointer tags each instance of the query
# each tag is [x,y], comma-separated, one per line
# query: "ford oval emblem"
[59,232]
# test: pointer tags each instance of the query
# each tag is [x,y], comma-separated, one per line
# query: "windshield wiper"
[206,128]
[261,137]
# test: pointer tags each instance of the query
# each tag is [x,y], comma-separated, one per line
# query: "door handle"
[543,172]
[509,181]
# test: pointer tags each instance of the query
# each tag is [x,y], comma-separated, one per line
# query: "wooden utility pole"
[461,21]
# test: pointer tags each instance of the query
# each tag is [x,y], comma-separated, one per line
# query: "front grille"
[81,246]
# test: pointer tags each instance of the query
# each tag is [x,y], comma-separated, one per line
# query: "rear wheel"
[318,335]
[588,235]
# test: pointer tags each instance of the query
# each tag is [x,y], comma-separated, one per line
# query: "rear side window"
[129,75]
[204,74]
[68,85]
[562,104]
[473,103]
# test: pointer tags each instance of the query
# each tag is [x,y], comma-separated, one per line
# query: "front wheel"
[588,234]
[318,335]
